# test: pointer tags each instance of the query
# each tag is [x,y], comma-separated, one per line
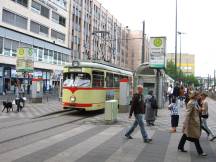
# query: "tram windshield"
[77,80]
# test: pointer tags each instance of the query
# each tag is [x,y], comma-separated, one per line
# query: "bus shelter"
[151,79]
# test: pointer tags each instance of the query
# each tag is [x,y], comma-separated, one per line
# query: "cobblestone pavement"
[92,140]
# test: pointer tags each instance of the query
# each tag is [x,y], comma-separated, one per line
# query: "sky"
[196,18]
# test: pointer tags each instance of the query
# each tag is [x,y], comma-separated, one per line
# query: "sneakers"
[203,154]
[148,140]
[128,136]
[182,150]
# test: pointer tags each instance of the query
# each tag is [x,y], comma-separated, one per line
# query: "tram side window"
[109,80]
[116,80]
[98,79]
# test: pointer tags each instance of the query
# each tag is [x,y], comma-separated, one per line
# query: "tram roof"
[102,66]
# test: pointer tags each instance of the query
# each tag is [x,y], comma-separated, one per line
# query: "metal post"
[143,43]
[180,53]
[214,80]
[176,23]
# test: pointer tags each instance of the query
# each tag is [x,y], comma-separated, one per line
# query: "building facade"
[187,62]
[135,49]
[40,24]
[58,31]
[97,34]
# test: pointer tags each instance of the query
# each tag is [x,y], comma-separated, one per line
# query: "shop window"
[98,79]
[1,45]
[59,58]
[46,55]
[40,54]
[40,9]
[55,57]
[109,80]
[22,2]
[14,19]
[50,56]
[35,53]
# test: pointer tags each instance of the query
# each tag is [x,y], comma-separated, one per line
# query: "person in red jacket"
[138,108]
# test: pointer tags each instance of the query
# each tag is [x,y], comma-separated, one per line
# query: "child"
[173,107]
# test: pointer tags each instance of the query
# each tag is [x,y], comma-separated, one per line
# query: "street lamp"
[180,33]
[176,28]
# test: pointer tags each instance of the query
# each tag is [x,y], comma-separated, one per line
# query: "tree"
[178,75]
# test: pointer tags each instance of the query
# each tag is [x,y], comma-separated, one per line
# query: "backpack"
[153,103]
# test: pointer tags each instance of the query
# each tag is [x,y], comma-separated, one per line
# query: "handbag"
[205,116]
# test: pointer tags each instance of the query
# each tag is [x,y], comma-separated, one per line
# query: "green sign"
[25,60]
[158,42]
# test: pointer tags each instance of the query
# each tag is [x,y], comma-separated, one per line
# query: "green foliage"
[178,75]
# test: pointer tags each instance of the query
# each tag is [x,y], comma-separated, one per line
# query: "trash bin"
[111,111]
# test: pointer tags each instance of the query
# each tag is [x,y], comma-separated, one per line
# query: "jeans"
[195,140]
[206,128]
[139,120]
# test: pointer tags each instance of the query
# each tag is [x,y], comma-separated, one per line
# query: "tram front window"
[77,80]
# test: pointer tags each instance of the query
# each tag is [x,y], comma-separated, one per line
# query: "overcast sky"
[196,18]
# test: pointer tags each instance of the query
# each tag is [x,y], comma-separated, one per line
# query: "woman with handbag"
[205,115]
[192,125]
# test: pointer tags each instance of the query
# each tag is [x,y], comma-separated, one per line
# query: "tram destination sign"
[158,52]
[25,60]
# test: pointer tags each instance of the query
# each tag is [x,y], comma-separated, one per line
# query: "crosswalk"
[33,110]
[104,143]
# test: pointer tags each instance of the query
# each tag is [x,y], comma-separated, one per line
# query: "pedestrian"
[192,125]
[138,108]
[181,95]
[151,108]
[170,92]
[205,116]
[176,90]
[174,112]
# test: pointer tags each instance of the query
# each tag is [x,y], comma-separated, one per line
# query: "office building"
[187,62]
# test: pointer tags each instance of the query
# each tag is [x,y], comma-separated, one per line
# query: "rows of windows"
[22,2]
[14,19]
[19,21]
[9,47]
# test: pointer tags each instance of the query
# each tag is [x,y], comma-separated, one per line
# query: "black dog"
[7,105]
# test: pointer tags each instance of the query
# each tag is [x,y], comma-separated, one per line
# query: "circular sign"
[158,42]
[21,52]
[30,52]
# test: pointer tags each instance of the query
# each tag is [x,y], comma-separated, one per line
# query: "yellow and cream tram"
[87,85]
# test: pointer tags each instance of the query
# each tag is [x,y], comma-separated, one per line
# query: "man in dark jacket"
[176,91]
[138,108]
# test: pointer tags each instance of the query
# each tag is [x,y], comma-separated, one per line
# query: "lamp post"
[180,60]
[176,28]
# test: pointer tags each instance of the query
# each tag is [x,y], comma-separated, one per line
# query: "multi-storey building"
[59,31]
[187,62]
[40,24]
[135,49]
[97,35]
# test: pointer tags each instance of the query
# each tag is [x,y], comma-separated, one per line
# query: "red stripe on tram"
[74,89]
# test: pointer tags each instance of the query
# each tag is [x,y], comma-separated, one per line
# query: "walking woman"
[205,115]
[191,125]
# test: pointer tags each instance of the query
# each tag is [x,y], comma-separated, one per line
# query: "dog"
[8,106]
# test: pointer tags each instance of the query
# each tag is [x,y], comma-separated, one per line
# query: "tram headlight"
[73,98]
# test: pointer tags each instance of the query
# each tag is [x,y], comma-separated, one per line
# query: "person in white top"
[174,112]
[170,92]
[205,115]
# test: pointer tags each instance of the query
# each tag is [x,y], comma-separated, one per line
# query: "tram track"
[39,118]
[48,128]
